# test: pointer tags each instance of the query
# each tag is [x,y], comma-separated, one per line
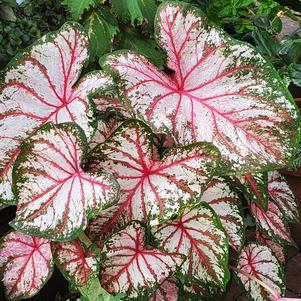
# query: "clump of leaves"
[238,15]
[120,24]
[48,15]
[131,180]
[21,25]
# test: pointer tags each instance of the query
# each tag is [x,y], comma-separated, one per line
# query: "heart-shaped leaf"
[226,204]
[276,248]
[39,86]
[272,222]
[221,91]
[199,235]
[151,188]
[282,195]
[26,264]
[131,267]
[55,196]
[168,291]
[76,263]
[259,262]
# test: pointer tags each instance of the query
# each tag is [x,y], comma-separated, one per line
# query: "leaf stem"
[93,290]
[85,239]
[273,293]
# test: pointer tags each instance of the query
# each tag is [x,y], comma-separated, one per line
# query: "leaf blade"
[266,268]
[149,187]
[196,105]
[26,264]
[77,264]
[126,253]
[199,235]
[55,196]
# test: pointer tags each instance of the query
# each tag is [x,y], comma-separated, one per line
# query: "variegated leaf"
[196,291]
[272,222]
[199,235]
[259,262]
[6,193]
[106,222]
[104,130]
[255,188]
[55,196]
[76,263]
[277,248]
[150,188]
[226,204]
[168,291]
[131,267]
[221,91]
[39,86]
[25,264]
[110,102]
[282,195]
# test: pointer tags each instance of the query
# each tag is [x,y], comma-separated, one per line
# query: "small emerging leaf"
[109,102]
[255,187]
[76,263]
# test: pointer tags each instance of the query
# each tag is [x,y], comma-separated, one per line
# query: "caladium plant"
[134,181]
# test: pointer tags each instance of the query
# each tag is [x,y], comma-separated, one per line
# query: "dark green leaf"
[295,74]
[7,13]
[101,27]
[290,48]
[131,39]
[296,164]
[132,11]
[265,43]
[77,7]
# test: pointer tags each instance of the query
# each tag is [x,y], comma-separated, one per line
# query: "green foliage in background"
[21,25]
[124,24]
